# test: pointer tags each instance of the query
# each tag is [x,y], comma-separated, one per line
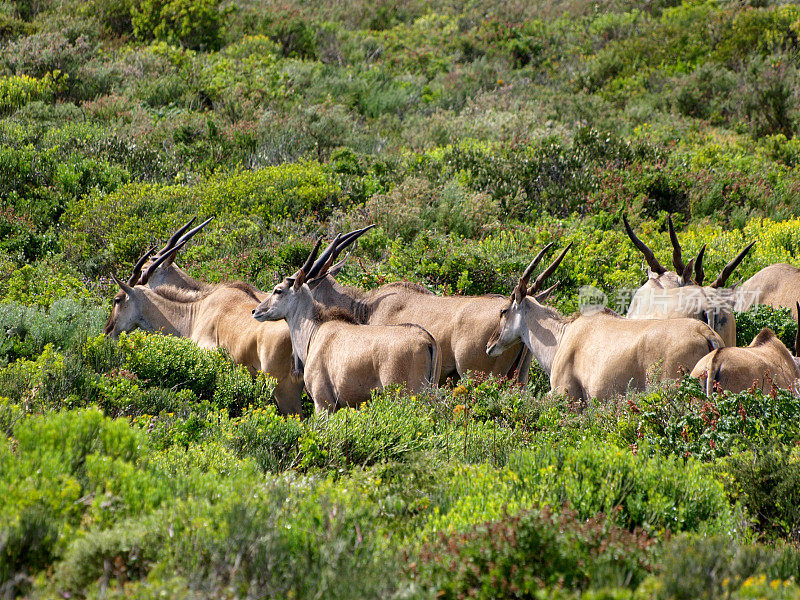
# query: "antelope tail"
[711,319]
[713,344]
[435,370]
[714,370]
[436,363]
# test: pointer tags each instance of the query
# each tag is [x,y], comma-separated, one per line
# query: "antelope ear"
[299,280]
[337,268]
[519,293]
[685,278]
[545,294]
[123,286]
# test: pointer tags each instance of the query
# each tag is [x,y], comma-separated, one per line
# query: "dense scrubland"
[471,134]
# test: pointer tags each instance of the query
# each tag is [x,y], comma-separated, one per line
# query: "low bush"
[682,421]
[25,330]
[49,54]
[519,555]
[391,427]
[27,545]
[18,90]
[766,482]
[196,25]
[716,567]
[269,194]
[272,441]
[750,323]
[177,363]
[657,494]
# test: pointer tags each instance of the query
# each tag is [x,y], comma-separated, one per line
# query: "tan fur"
[602,355]
[172,275]
[347,361]
[777,285]
[706,304]
[664,281]
[218,317]
[766,361]
[344,361]
[462,325]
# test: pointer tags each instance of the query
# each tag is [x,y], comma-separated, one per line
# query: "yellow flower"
[459,390]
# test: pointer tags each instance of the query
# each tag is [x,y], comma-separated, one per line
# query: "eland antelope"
[777,285]
[214,316]
[597,355]
[343,361]
[712,304]
[658,277]
[462,325]
[762,364]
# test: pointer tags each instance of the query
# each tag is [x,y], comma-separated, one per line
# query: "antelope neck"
[169,316]
[546,328]
[331,293]
[302,325]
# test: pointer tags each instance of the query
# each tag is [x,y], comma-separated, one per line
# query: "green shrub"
[392,426]
[769,96]
[750,323]
[27,544]
[179,363]
[272,440]
[49,54]
[72,435]
[115,15]
[682,421]
[296,37]
[269,194]
[705,93]
[18,90]
[653,493]
[196,25]
[716,567]
[125,552]
[25,331]
[518,555]
[414,205]
[316,540]
[42,286]
[767,483]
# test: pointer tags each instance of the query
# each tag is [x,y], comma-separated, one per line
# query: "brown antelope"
[762,364]
[461,324]
[213,316]
[711,304]
[344,361]
[599,355]
[777,285]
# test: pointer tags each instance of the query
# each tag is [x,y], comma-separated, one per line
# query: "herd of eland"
[340,343]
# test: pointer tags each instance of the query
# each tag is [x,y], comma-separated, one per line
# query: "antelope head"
[656,271]
[286,297]
[513,323]
[162,269]
[126,311]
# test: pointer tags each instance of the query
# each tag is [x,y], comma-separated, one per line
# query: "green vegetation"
[472,134]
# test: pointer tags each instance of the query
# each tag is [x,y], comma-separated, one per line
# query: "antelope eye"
[277,291]
[117,300]
[503,311]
